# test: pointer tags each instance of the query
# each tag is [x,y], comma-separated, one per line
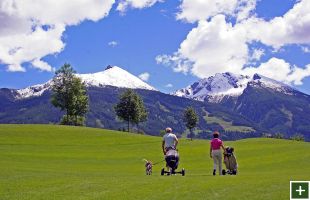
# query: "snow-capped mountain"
[111,76]
[221,85]
[114,76]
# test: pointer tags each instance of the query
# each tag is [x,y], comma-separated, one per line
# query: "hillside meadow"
[60,162]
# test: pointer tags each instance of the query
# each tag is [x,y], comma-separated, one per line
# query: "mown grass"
[59,162]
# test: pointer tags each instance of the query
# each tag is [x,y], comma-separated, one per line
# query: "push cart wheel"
[223,172]
[162,172]
[183,172]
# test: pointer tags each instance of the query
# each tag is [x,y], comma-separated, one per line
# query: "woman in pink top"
[215,152]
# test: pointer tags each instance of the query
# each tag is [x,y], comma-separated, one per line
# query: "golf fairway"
[60,162]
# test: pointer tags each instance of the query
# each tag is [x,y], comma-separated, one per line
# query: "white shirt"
[169,139]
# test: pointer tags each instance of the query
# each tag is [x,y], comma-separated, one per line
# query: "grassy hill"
[58,162]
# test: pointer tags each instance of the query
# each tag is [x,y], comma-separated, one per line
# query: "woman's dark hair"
[216,134]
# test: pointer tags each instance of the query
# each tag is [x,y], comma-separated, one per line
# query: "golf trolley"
[172,162]
[230,162]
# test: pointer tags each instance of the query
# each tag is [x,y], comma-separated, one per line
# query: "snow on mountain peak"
[215,88]
[111,76]
[108,67]
[35,90]
[260,80]
[114,76]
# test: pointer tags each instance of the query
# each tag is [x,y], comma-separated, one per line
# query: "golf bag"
[230,162]
[172,161]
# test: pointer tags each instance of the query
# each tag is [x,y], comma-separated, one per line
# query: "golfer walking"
[170,141]
[215,152]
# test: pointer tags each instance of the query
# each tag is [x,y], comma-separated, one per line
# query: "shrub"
[266,135]
[73,120]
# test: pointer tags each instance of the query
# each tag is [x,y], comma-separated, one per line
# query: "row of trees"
[296,136]
[70,95]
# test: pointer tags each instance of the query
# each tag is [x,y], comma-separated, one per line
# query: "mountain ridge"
[212,89]
[216,88]
[111,76]
[258,105]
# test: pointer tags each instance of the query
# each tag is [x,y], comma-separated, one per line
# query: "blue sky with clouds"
[173,43]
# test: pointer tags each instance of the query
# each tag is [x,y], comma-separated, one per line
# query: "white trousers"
[217,159]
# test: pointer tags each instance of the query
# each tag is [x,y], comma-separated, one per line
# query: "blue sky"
[134,36]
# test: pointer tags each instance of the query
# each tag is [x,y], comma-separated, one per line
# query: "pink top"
[216,144]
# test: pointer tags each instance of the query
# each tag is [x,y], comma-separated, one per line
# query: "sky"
[168,43]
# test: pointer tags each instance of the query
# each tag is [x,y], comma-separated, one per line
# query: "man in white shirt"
[170,141]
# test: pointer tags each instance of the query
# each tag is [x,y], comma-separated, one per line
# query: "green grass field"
[58,162]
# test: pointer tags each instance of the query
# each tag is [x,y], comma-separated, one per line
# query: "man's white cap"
[168,130]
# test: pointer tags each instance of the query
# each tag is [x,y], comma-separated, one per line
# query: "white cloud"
[298,74]
[16,68]
[32,29]
[244,9]
[144,76]
[69,12]
[257,54]
[176,61]
[44,66]
[280,70]
[211,47]
[169,85]
[196,10]
[113,43]
[124,5]
[292,28]
[275,68]
[26,47]
[217,46]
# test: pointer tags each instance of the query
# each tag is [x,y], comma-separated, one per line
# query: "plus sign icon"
[299,190]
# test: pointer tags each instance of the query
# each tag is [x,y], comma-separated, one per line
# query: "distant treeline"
[228,135]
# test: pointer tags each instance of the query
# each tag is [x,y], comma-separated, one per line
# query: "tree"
[278,136]
[298,137]
[131,108]
[69,94]
[190,119]
[162,133]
